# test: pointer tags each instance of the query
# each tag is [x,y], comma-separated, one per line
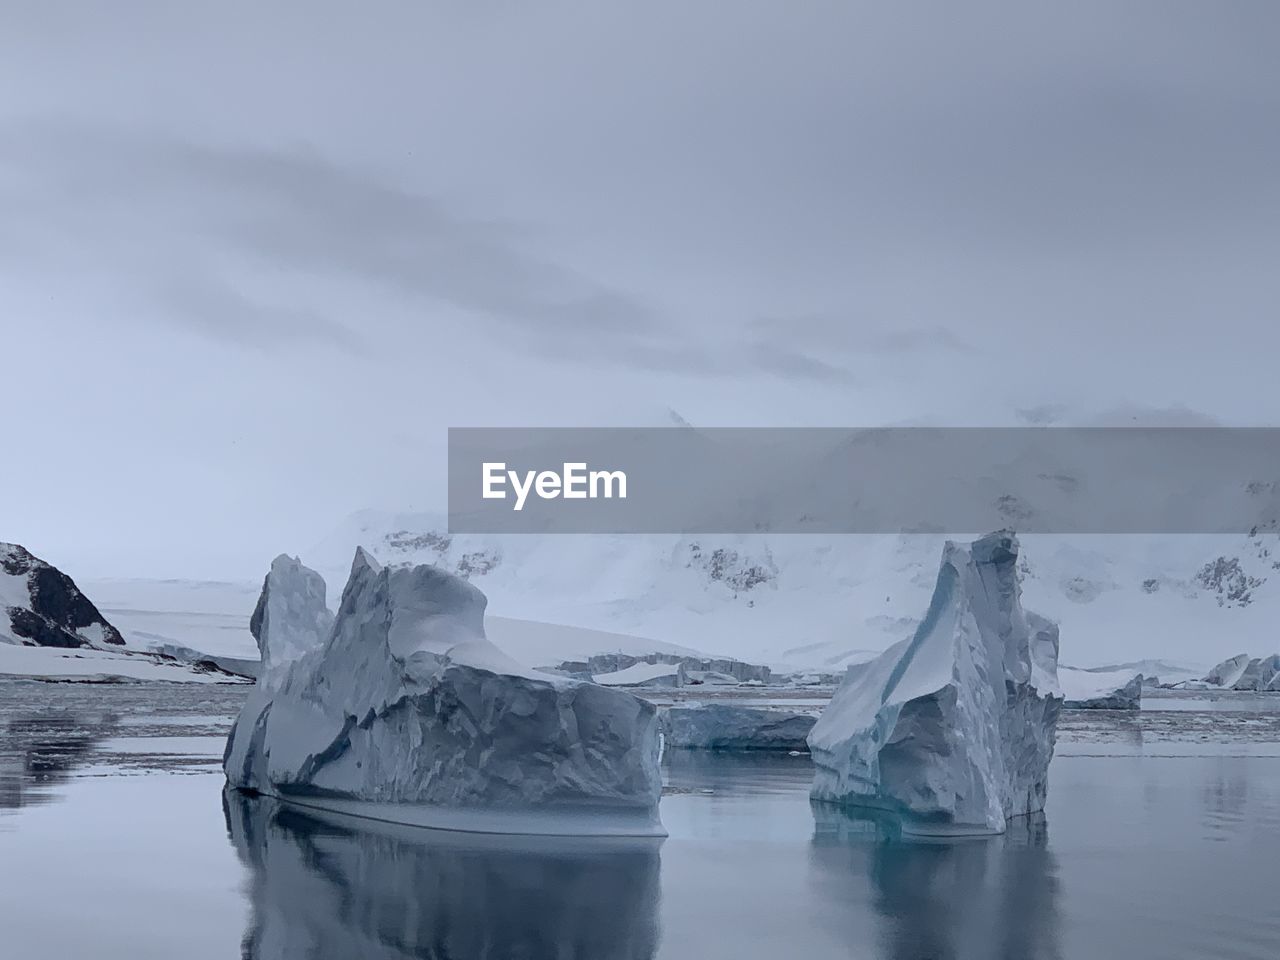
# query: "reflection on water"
[39,749]
[735,774]
[1160,841]
[321,888]
[980,898]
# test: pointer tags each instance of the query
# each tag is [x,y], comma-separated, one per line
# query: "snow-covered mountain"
[50,630]
[41,606]
[1170,606]
[820,602]
[814,602]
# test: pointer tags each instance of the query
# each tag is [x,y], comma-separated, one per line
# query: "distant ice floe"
[1101,690]
[722,726]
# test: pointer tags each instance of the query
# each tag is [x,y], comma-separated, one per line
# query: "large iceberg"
[721,726]
[952,729]
[405,712]
[1101,689]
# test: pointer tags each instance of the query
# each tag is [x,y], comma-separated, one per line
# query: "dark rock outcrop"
[43,607]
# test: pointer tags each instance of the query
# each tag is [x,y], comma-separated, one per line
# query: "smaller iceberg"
[1101,689]
[951,730]
[399,709]
[718,726]
[1229,672]
[1261,674]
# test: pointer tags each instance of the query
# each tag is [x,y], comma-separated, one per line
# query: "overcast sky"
[257,257]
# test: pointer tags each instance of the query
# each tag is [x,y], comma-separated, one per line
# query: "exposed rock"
[709,678]
[41,606]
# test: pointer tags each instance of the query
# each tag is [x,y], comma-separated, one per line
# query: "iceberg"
[1229,671]
[1271,682]
[1101,689]
[952,729]
[1261,674]
[718,726]
[405,712]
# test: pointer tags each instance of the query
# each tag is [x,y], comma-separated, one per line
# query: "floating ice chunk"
[719,726]
[406,713]
[952,729]
[1101,690]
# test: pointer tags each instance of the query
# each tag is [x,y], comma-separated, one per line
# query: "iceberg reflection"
[994,897]
[323,887]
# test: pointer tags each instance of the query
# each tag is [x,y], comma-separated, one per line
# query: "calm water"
[1161,840]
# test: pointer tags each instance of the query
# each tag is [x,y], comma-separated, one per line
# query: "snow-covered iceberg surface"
[404,712]
[329,886]
[719,726]
[1100,690]
[952,729]
[641,675]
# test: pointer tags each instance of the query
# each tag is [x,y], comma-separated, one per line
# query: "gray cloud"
[793,364]
[294,213]
[299,216]
[793,344]
[284,217]
[224,313]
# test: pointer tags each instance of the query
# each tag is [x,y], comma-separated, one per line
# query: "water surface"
[1161,839]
